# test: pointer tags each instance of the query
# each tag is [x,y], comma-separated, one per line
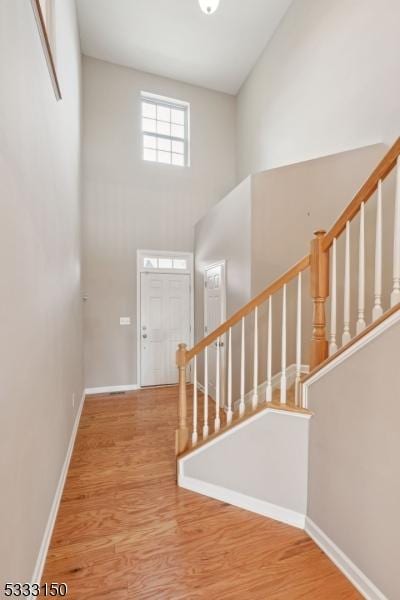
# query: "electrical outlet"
[73,400]
[124,320]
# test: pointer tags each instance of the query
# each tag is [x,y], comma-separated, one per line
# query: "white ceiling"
[173,38]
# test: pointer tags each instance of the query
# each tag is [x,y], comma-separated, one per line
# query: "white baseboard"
[261,507]
[41,559]
[111,388]
[200,387]
[343,562]
[276,381]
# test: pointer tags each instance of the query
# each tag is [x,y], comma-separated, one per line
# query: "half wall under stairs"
[260,465]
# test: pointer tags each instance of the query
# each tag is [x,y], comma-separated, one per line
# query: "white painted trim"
[366,339]
[168,253]
[111,388]
[44,546]
[234,428]
[261,507]
[49,54]
[139,269]
[219,263]
[138,313]
[343,562]
[276,380]
[182,104]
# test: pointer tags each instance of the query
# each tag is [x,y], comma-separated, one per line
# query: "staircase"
[267,326]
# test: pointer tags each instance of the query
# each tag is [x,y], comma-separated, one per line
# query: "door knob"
[145,335]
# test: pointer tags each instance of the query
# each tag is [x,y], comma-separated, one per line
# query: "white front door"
[214,315]
[164,323]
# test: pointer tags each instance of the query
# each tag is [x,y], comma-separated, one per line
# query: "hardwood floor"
[126,531]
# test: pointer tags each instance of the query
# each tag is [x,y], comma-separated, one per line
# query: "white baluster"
[297,388]
[229,413]
[332,336]
[217,422]
[346,337]
[395,295]
[242,373]
[268,389]
[361,274]
[194,434]
[377,311]
[254,401]
[283,354]
[205,424]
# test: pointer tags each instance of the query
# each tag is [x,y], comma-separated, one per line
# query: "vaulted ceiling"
[173,38]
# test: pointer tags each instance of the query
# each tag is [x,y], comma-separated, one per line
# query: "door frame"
[219,263]
[140,254]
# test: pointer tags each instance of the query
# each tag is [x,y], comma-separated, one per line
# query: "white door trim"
[220,263]
[141,269]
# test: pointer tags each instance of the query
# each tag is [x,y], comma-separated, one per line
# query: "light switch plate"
[124,320]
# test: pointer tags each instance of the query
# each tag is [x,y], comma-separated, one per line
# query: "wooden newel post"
[319,294]
[182,433]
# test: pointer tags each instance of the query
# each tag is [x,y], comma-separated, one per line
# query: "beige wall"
[289,204]
[265,225]
[327,82]
[354,485]
[224,233]
[265,458]
[40,307]
[131,204]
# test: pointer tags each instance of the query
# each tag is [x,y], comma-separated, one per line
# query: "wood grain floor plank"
[125,530]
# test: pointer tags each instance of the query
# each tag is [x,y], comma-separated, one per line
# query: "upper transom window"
[165,130]
[165,262]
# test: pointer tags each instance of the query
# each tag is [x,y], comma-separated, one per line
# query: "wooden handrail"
[364,194]
[303,264]
[318,261]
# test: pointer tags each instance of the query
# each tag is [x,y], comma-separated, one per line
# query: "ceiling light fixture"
[209,6]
